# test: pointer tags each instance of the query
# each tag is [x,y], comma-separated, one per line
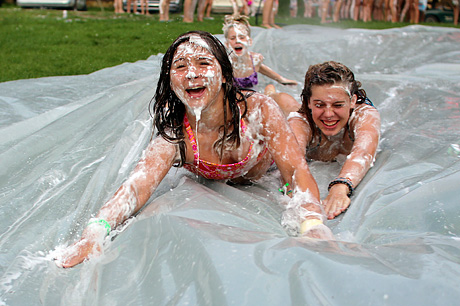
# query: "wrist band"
[284,188]
[342,180]
[309,223]
[101,222]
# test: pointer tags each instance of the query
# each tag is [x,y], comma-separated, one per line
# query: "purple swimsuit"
[249,81]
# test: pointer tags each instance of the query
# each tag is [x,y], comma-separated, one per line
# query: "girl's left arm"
[365,125]
[293,167]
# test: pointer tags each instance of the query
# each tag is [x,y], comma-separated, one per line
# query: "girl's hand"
[79,252]
[129,198]
[288,82]
[90,245]
[336,201]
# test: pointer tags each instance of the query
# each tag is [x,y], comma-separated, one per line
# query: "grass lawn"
[38,42]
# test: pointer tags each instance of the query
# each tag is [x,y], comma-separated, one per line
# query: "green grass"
[38,43]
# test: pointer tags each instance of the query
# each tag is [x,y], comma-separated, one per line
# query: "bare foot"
[265,25]
[269,90]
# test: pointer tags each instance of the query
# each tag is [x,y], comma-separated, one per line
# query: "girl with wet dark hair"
[169,110]
[208,126]
[336,118]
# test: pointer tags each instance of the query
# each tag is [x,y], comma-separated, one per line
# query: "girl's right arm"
[267,71]
[155,163]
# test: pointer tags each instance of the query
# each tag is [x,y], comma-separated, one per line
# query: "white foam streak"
[196,39]
[197,111]
[191,74]
[343,87]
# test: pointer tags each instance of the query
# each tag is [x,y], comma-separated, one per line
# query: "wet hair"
[168,111]
[230,21]
[328,73]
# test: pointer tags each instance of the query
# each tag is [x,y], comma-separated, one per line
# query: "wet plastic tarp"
[67,143]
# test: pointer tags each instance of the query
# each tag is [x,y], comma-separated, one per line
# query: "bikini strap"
[243,126]
[191,137]
[349,133]
[319,141]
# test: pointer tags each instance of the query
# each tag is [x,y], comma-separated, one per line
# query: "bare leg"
[324,10]
[343,9]
[377,11]
[356,10]
[293,8]
[208,8]
[246,9]
[164,10]
[273,14]
[201,8]
[308,10]
[386,10]
[456,11]
[394,10]
[404,10]
[144,7]
[188,13]
[337,6]
[285,101]
[118,6]
[147,7]
[415,14]
[367,10]
[235,7]
[266,11]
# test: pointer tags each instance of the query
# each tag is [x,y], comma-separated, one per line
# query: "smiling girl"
[337,118]
[210,127]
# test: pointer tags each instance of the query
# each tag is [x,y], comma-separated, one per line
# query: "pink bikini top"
[216,171]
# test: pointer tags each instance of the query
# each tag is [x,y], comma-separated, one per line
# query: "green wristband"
[101,222]
[284,188]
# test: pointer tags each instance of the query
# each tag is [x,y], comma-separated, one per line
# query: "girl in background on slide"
[212,128]
[337,118]
[247,64]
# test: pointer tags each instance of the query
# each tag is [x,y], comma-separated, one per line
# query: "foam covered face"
[330,106]
[196,75]
[238,39]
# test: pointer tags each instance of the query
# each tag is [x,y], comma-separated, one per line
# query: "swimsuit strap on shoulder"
[191,137]
[349,133]
[309,149]
[243,126]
